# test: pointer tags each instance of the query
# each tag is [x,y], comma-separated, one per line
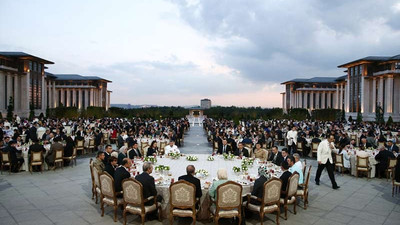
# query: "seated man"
[107,154]
[16,162]
[224,148]
[296,166]
[134,151]
[111,165]
[383,158]
[189,177]
[98,162]
[171,148]
[122,173]
[36,147]
[52,152]
[149,186]
[284,177]
[392,147]
[242,151]
[276,156]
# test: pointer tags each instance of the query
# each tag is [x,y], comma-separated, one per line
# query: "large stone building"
[23,78]
[205,103]
[370,82]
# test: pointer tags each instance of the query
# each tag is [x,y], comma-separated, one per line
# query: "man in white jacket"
[324,158]
[291,137]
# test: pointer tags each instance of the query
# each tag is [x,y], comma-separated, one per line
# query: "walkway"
[196,141]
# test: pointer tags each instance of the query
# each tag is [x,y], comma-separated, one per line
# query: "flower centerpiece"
[151,159]
[202,172]
[248,162]
[191,158]
[174,155]
[228,156]
[210,158]
[244,168]
[236,169]
[162,168]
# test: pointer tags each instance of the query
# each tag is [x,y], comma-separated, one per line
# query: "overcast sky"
[177,52]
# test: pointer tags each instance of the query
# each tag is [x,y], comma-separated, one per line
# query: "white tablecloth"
[372,163]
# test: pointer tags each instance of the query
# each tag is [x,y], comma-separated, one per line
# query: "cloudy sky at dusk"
[177,52]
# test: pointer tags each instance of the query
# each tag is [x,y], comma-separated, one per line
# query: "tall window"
[355,88]
[35,88]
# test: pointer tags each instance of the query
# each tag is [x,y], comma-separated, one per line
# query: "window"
[397,65]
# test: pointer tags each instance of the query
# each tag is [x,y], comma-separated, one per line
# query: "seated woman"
[259,185]
[222,175]
[153,149]
[68,149]
[260,153]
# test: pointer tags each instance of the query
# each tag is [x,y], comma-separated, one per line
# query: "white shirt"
[168,149]
[292,137]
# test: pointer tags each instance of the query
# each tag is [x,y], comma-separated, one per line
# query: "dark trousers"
[292,148]
[329,167]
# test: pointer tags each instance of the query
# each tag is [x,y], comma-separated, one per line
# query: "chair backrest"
[381,144]
[91,142]
[96,176]
[315,146]
[392,163]
[132,191]
[339,158]
[229,195]
[59,154]
[272,191]
[353,136]
[362,161]
[5,157]
[299,145]
[126,144]
[249,146]
[36,157]
[74,152]
[91,169]
[307,180]
[182,194]
[107,185]
[292,184]
[79,143]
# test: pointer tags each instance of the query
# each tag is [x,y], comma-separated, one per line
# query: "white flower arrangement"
[162,168]
[191,158]
[151,159]
[210,158]
[228,156]
[248,162]
[174,155]
[236,169]
[202,172]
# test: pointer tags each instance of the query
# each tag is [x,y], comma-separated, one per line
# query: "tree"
[350,119]
[389,121]
[10,109]
[343,116]
[31,112]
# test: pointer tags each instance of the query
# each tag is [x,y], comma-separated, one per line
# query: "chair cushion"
[98,190]
[58,160]
[36,163]
[300,192]
[362,169]
[396,183]
[270,208]
[137,210]
[225,213]
[289,201]
[110,201]
[339,164]
[182,212]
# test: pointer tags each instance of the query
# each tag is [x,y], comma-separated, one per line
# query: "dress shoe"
[336,187]
[317,182]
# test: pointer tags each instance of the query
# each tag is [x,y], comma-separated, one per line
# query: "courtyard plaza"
[64,197]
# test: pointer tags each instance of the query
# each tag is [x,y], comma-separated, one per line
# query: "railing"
[386,72]
[8,68]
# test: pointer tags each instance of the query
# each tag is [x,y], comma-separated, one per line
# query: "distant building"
[23,77]
[205,103]
[370,82]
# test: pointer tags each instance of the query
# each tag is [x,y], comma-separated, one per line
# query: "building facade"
[205,103]
[24,80]
[369,83]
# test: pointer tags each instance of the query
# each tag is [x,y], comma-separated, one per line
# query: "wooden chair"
[106,137]
[96,182]
[339,162]
[58,158]
[163,144]
[5,161]
[36,160]
[80,146]
[134,201]
[280,141]
[215,146]
[304,192]
[270,202]
[381,144]
[300,147]
[143,146]
[395,184]
[182,200]
[291,191]
[72,158]
[363,166]
[108,195]
[91,145]
[92,177]
[228,203]
[314,148]
[391,165]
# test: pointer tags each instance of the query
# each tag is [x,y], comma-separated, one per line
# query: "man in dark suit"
[16,162]
[147,181]
[276,156]
[120,139]
[111,166]
[242,151]
[224,148]
[364,144]
[284,177]
[31,134]
[285,154]
[107,154]
[51,154]
[392,147]
[189,177]
[258,189]
[134,152]
[122,173]
[383,157]
[36,147]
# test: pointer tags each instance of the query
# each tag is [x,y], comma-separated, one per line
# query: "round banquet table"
[178,168]
[372,162]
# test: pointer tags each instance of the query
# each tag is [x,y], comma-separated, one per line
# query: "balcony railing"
[386,72]
[8,68]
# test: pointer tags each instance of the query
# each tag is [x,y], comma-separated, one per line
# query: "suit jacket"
[121,156]
[106,157]
[227,150]
[13,153]
[36,148]
[149,187]
[394,148]
[324,152]
[285,177]
[193,180]
[383,158]
[259,186]
[151,151]
[244,151]
[278,160]
[133,154]
[52,152]
[110,169]
[120,141]
[120,174]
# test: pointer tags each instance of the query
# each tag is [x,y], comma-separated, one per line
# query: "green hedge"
[298,114]
[64,112]
[326,114]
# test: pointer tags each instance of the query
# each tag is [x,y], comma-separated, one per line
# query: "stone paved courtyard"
[64,197]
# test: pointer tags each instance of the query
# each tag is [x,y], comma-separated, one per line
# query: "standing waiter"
[324,158]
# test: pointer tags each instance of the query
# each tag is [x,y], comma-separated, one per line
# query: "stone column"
[17,88]
[362,94]
[329,103]
[317,95]
[380,92]
[68,92]
[80,99]
[337,105]
[373,100]
[2,91]
[305,99]
[106,106]
[91,97]
[347,98]
[44,88]
[389,94]
[323,103]
[341,96]
[311,100]
[25,98]
[396,88]
[55,98]
[101,96]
